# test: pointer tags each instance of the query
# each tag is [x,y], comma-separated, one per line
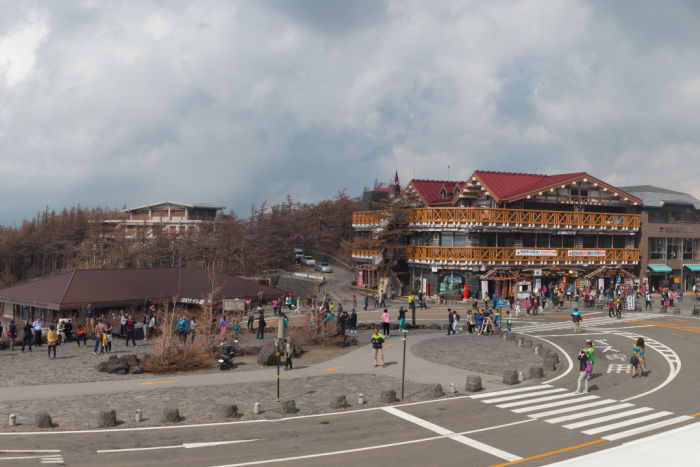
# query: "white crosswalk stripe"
[573,411]
[587,323]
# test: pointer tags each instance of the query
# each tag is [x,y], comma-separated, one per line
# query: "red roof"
[509,186]
[430,190]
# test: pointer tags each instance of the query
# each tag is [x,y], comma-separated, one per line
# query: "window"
[460,240]
[443,193]
[657,248]
[688,248]
[673,248]
[574,192]
[589,241]
[446,239]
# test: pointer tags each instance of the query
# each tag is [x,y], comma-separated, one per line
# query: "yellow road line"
[386,346]
[694,414]
[550,453]
[159,382]
[334,368]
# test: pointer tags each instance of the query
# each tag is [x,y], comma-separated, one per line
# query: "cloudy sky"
[235,102]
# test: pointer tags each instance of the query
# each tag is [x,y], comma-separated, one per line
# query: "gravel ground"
[484,354]
[312,395]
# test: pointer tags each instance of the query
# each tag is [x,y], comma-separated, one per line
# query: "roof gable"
[430,191]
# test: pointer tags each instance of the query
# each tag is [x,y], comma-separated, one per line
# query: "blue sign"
[501,302]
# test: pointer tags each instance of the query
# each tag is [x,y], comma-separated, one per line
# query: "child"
[509,321]
[236,328]
[108,336]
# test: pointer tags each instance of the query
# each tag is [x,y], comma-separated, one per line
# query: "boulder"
[171,415]
[249,350]
[536,372]
[289,407]
[436,390]
[114,365]
[549,364]
[520,342]
[388,396]
[132,360]
[510,377]
[473,384]
[510,336]
[136,370]
[528,344]
[339,402]
[435,326]
[266,355]
[231,411]
[107,419]
[43,420]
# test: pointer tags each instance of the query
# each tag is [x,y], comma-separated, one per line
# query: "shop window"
[460,240]
[657,248]
[673,248]
[687,248]
[446,239]
[451,283]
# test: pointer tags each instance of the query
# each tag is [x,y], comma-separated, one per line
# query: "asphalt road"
[486,430]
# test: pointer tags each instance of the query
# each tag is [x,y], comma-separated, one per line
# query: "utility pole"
[403,370]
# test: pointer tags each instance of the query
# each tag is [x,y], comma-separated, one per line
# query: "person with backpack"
[585,369]
[377,341]
[183,329]
[130,330]
[638,354]
[402,318]
[576,318]
[12,334]
[27,336]
[352,323]
[261,326]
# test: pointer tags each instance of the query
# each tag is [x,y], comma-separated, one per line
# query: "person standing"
[182,329]
[576,318]
[99,329]
[52,341]
[261,326]
[152,325]
[343,321]
[402,318]
[27,336]
[193,328]
[130,330]
[222,327]
[288,353]
[509,322]
[590,351]
[386,321]
[377,341]
[146,322]
[107,337]
[251,320]
[638,351]
[122,326]
[353,321]
[585,369]
[354,301]
[455,321]
[38,326]
[450,322]
[90,316]
[366,302]
[68,330]
[470,322]
[647,301]
[12,330]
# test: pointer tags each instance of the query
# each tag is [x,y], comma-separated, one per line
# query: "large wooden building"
[166,216]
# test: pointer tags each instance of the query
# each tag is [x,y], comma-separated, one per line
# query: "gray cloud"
[233,103]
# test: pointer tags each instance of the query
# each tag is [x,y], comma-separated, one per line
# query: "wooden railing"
[372,253]
[509,217]
[503,254]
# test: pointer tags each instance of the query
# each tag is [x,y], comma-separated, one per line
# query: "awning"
[660,268]
[693,267]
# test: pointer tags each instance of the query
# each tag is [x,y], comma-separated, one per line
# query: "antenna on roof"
[448,173]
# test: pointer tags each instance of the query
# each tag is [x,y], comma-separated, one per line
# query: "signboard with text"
[594,253]
[531,252]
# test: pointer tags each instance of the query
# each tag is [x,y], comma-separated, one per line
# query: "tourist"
[377,340]
[638,351]
[145,326]
[99,330]
[509,322]
[517,308]
[354,300]
[182,329]
[59,328]
[450,322]
[647,301]
[12,334]
[590,351]
[68,330]
[497,319]
[152,326]
[81,334]
[366,302]
[343,320]
[585,369]
[251,319]
[261,325]
[236,329]
[130,330]
[38,326]
[376,301]
[386,321]
[353,322]
[455,321]
[222,327]
[193,328]
[27,335]
[288,353]
[576,318]
[122,327]
[52,341]
[107,337]
[90,316]
[470,322]
[402,318]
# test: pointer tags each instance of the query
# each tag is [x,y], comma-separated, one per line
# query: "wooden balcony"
[476,218]
[364,254]
[517,256]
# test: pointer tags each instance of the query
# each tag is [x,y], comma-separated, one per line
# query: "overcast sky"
[230,102]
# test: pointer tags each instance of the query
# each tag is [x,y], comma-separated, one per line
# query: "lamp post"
[403,369]
[279,342]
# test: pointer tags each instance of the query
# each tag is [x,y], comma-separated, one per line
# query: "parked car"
[298,255]
[325,267]
[309,261]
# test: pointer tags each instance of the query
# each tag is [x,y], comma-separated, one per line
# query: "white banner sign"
[596,253]
[484,290]
[527,252]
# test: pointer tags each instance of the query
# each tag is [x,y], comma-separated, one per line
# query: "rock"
[249,350]
[536,372]
[43,420]
[538,349]
[388,397]
[510,377]
[231,411]
[436,390]
[339,402]
[555,356]
[266,356]
[473,384]
[510,336]
[132,360]
[114,365]
[289,407]
[107,419]
[528,344]
[136,370]
[549,364]
[435,326]
[171,415]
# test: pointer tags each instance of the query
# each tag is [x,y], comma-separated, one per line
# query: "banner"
[360,279]
[595,253]
[484,290]
[528,252]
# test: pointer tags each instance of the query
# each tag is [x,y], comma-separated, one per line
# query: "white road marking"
[568,395]
[509,391]
[588,413]
[573,408]
[605,418]
[15,451]
[178,446]
[554,404]
[523,396]
[632,421]
[14,458]
[452,435]
[645,428]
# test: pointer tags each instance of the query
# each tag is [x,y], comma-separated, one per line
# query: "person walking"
[52,341]
[366,302]
[90,316]
[590,352]
[146,322]
[288,353]
[450,320]
[27,335]
[471,322]
[130,330]
[377,341]
[193,328]
[352,323]
[509,322]
[68,330]
[38,326]
[12,334]
[386,322]
[402,318]
[638,351]
[455,321]
[576,318]
[261,326]
[251,320]
[585,369]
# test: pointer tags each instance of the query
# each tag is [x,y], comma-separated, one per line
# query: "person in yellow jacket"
[52,339]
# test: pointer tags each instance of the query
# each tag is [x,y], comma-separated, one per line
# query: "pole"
[277,354]
[403,370]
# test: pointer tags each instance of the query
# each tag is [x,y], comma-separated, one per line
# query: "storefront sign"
[234,304]
[360,279]
[565,232]
[484,290]
[595,253]
[528,252]
[676,229]
[537,272]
